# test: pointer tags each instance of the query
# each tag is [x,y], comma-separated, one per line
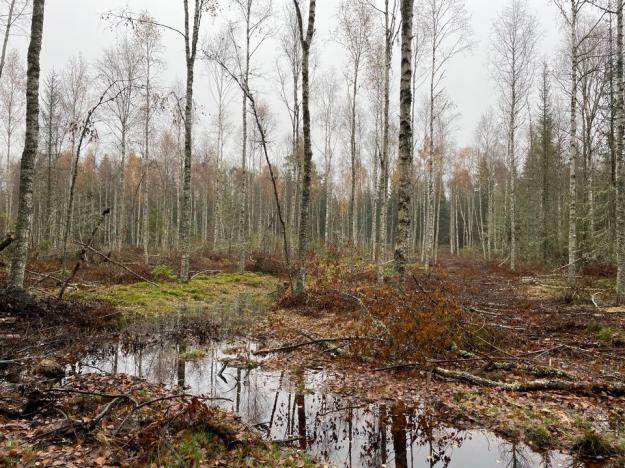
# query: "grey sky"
[74,27]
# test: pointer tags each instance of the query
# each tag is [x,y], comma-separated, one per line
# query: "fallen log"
[311,342]
[533,385]
[536,371]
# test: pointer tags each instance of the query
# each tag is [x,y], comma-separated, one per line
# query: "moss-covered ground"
[169,296]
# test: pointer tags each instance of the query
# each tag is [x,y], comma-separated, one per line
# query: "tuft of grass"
[538,435]
[583,423]
[594,445]
[603,333]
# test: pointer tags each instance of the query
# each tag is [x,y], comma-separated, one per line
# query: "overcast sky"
[75,27]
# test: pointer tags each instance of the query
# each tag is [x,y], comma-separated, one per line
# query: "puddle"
[291,408]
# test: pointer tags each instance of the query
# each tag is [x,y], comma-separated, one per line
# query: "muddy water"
[290,407]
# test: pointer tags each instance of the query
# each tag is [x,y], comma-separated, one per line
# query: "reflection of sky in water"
[340,430]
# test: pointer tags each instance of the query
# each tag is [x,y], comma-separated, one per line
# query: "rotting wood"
[534,385]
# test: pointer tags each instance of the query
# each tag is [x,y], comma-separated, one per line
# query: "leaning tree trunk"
[31,141]
[7,33]
[405,138]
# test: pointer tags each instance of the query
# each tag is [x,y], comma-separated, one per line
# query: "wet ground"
[291,406]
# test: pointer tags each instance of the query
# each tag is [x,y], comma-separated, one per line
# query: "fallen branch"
[42,278]
[109,259]
[206,272]
[311,342]
[75,428]
[81,257]
[533,385]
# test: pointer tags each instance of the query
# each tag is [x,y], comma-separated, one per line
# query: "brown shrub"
[264,262]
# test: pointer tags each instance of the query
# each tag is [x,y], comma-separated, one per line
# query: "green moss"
[163,273]
[198,446]
[147,299]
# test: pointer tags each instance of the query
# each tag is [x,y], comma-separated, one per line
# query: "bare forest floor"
[475,344]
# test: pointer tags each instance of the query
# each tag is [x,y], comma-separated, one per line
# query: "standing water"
[289,407]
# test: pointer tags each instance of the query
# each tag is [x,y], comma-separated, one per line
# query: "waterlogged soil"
[203,335]
[294,405]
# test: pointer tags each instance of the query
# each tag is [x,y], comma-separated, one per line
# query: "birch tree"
[191,36]
[120,70]
[405,137]
[31,142]
[570,11]
[51,117]
[354,29]
[12,106]
[620,159]
[446,24]
[514,44]
[148,38]
[16,10]
[306,39]
[390,31]
[255,15]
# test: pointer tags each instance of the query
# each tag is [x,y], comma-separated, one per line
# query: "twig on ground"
[312,342]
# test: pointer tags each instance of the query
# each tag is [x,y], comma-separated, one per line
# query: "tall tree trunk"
[31,141]
[191,39]
[572,268]
[243,195]
[146,170]
[429,226]
[383,186]
[512,153]
[352,146]
[405,138]
[620,163]
[306,167]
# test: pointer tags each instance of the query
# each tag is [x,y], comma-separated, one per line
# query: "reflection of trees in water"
[519,455]
[399,434]
[516,455]
[340,430]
